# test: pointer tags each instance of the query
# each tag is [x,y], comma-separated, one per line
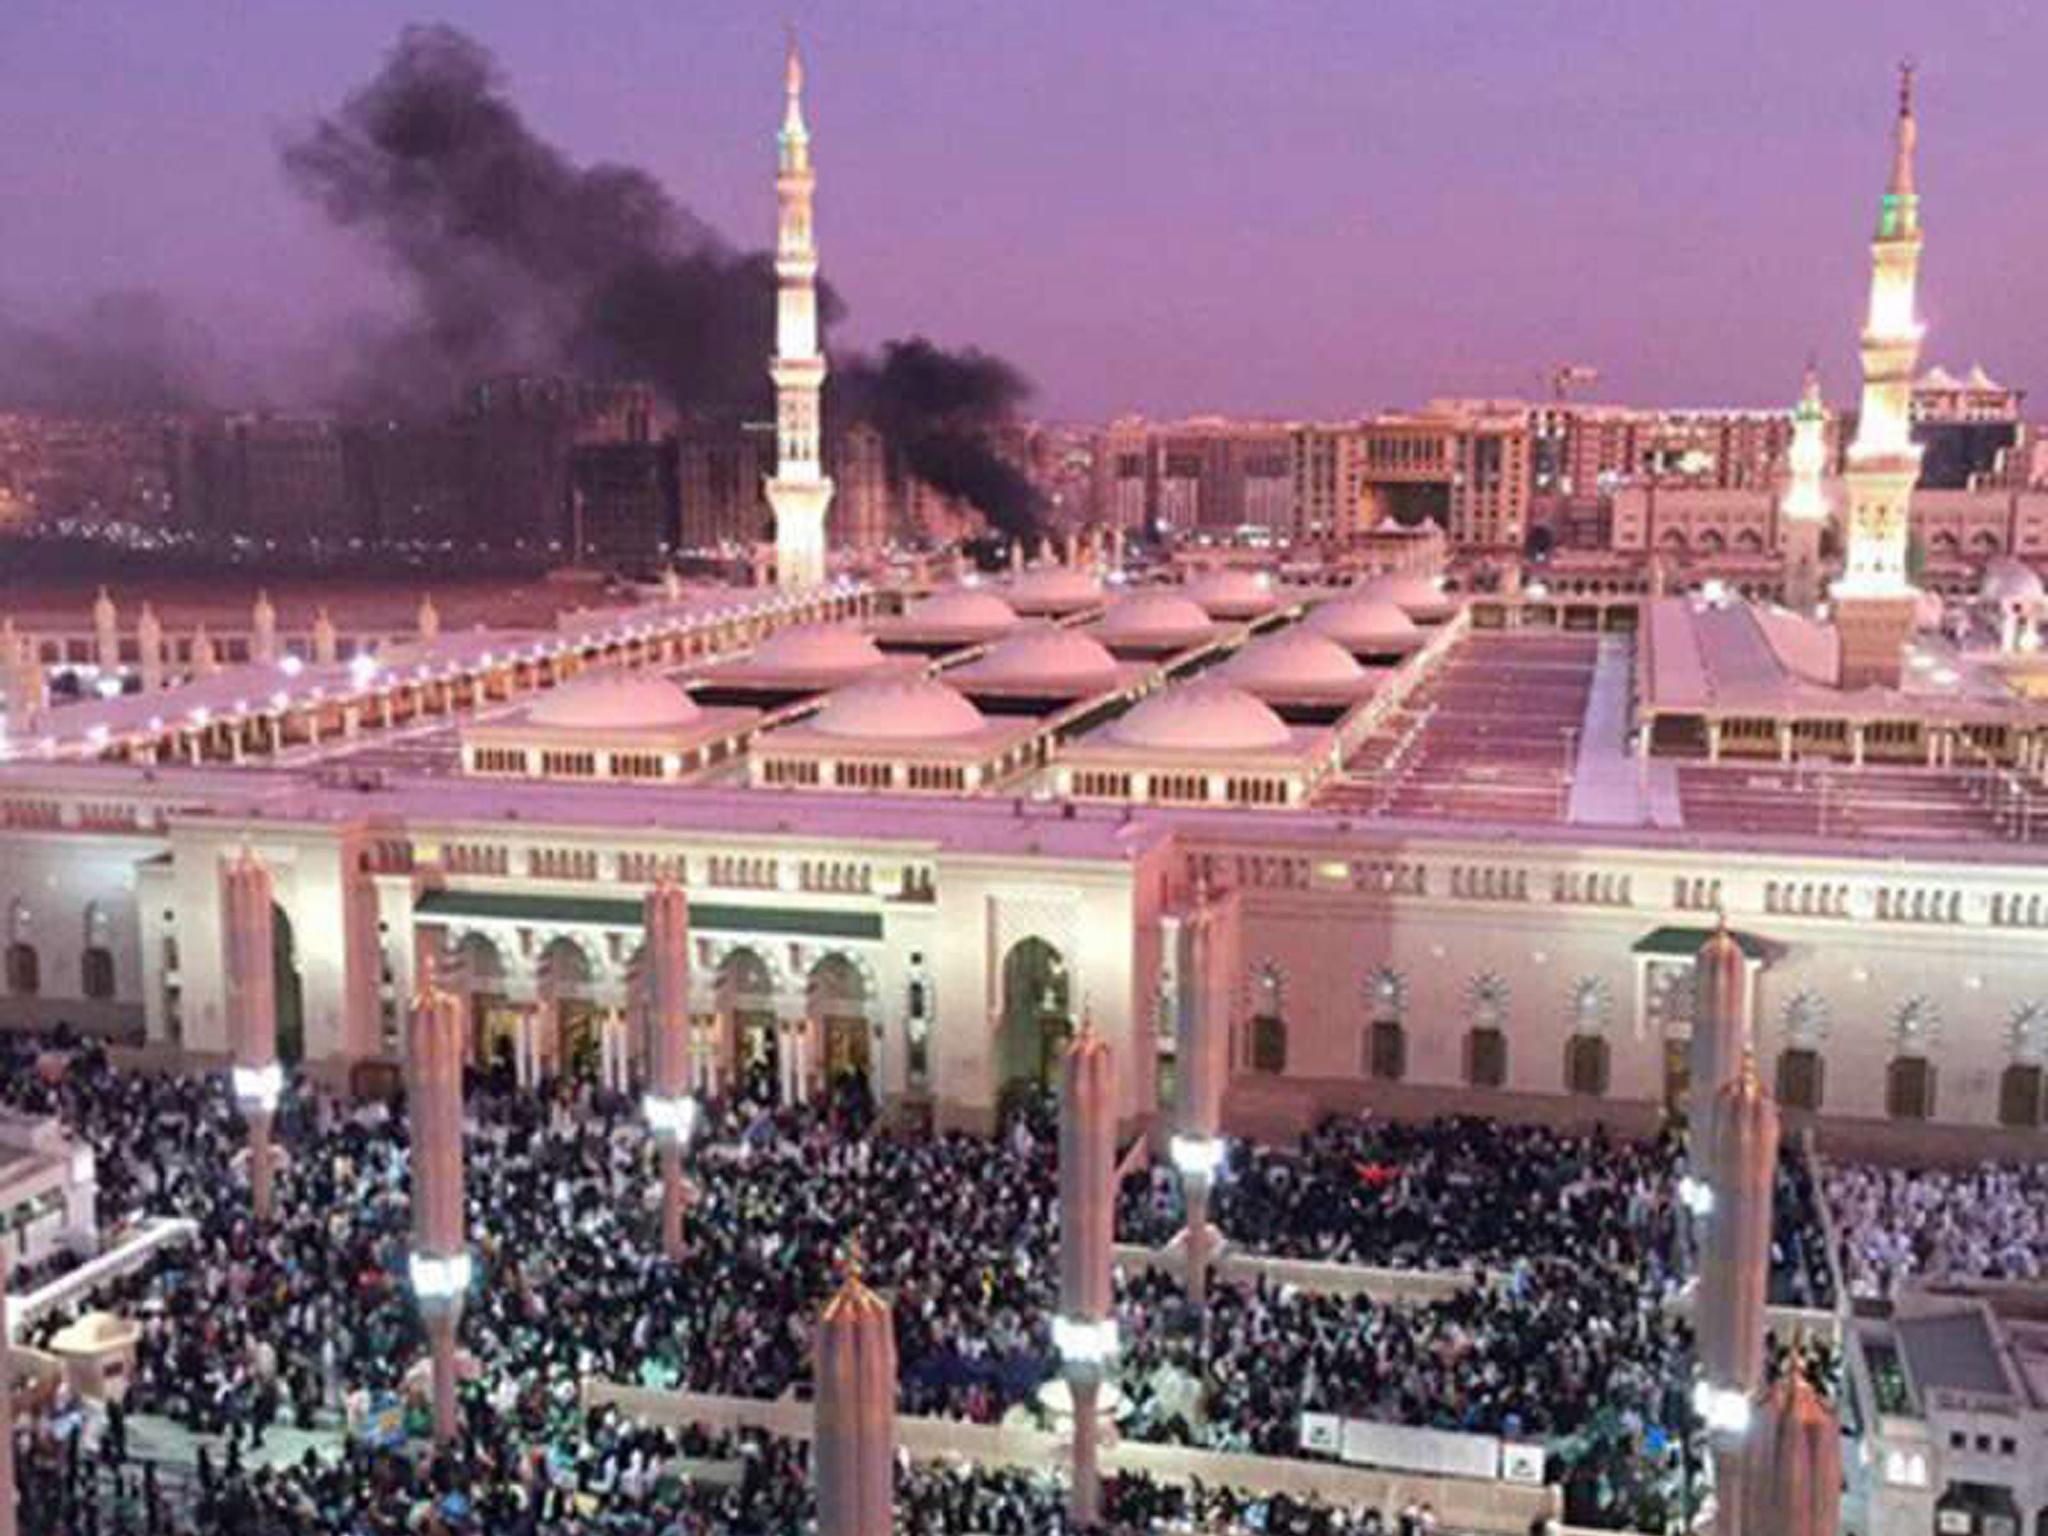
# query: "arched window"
[24,969]
[1269,1021]
[1586,1065]
[96,974]
[2020,1085]
[1486,1039]
[1386,1034]
[1909,1088]
[1802,1076]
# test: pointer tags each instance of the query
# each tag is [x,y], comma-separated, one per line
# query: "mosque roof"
[1365,622]
[1202,716]
[898,710]
[1294,659]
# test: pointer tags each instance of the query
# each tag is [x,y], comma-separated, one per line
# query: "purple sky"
[1263,206]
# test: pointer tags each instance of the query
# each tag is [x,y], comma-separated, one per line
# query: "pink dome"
[1372,624]
[626,702]
[828,648]
[1420,597]
[968,609]
[1152,615]
[1054,589]
[1294,658]
[1202,716]
[1049,656]
[1232,593]
[898,709]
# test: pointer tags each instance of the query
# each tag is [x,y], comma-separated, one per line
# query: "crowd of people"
[299,1319]
[1987,1222]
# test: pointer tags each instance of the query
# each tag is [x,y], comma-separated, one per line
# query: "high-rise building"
[1123,474]
[721,469]
[1329,477]
[799,493]
[1874,600]
[276,478]
[410,482]
[622,503]
[864,509]
[525,428]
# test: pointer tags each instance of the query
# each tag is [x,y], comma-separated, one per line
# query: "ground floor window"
[2019,1096]
[1800,1075]
[24,970]
[1387,1051]
[1909,1088]
[1269,1043]
[1585,1065]
[1486,1057]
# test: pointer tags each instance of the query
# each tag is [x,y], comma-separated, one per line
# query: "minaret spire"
[1875,601]
[798,493]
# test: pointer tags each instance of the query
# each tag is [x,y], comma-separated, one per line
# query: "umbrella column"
[249,961]
[853,1451]
[1202,1055]
[671,1112]
[1085,1329]
[440,1266]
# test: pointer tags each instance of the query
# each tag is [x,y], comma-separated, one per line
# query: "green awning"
[1684,943]
[616,912]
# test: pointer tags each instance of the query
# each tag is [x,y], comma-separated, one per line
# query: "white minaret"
[1874,600]
[1803,507]
[799,493]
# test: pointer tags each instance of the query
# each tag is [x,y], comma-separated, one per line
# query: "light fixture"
[1197,1155]
[1082,1341]
[1696,1195]
[438,1279]
[671,1119]
[257,1088]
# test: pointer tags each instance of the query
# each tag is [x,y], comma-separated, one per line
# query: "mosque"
[1462,847]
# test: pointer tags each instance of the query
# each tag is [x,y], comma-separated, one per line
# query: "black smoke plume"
[515,258]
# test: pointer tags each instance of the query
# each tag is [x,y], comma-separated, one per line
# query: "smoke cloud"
[124,351]
[515,258]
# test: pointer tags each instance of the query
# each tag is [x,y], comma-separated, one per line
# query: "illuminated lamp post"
[1202,1045]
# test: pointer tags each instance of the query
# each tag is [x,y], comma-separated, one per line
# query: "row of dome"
[1215,595]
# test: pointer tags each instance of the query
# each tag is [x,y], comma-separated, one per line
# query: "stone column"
[440,1266]
[1202,1055]
[362,968]
[263,631]
[671,1112]
[106,633]
[7,1518]
[326,644]
[248,962]
[149,648]
[853,1447]
[1085,1329]
[1720,1030]
[1792,1485]
[1735,1259]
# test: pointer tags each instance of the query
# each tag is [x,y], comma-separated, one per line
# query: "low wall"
[1460,1503]
[1313,1275]
[155,1233]
[1280,1109]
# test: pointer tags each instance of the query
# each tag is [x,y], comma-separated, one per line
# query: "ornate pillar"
[671,1112]
[363,968]
[440,1265]
[853,1448]
[248,962]
[1085,1329]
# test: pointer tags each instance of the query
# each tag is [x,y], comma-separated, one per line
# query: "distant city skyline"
[1161,209]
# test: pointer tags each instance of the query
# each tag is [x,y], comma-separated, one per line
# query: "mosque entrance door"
[582,1026]
[756,1050]
[494,1029]
[846,1048]
[1677,1074]
[836,996]
[1037,1017]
